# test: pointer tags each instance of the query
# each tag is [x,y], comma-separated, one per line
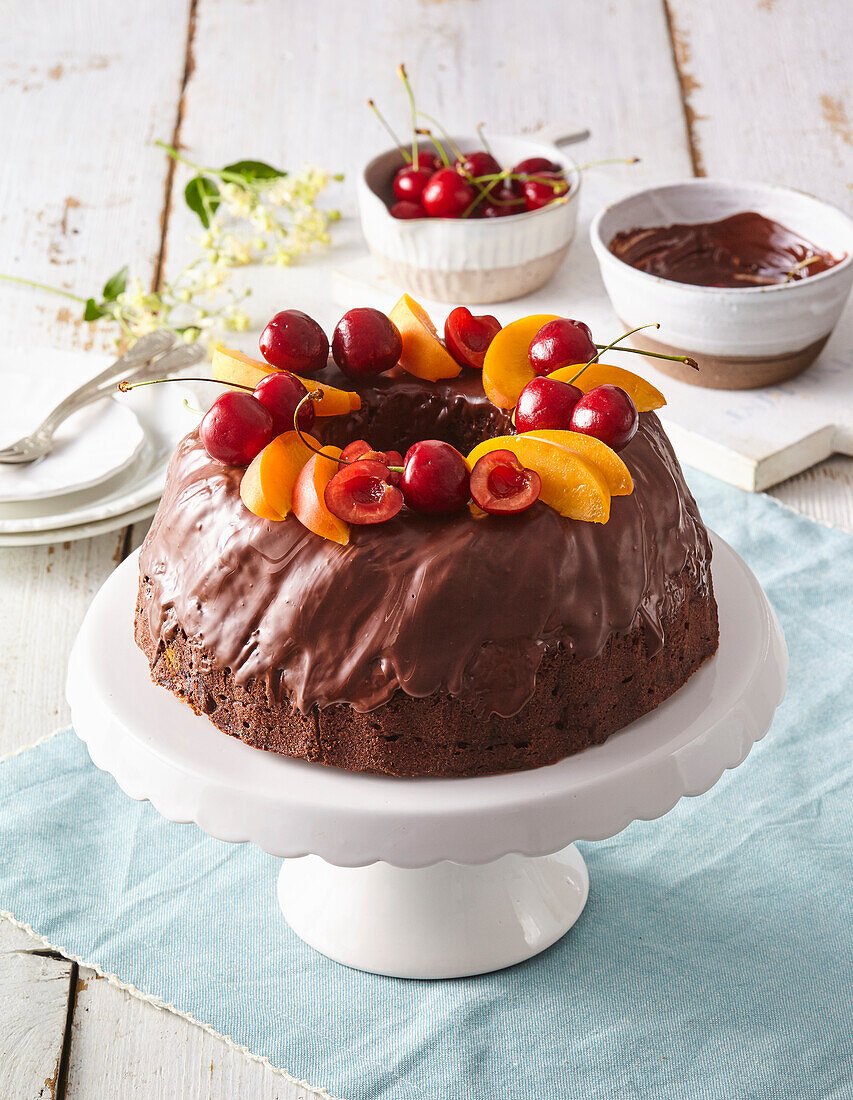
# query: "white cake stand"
[425,878]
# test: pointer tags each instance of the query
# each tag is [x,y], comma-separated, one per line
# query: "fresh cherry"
[435,478]
[410,181]
[467,337]
[608,413]
[281,392]
[447,195]
[235,428]
[535,166]
[407,211]
[561,343]
[478,164]
[366,342]
[360,492]
[543,190]
[294,341]
[360,449]
[546,403]
[501,486]
[500,209]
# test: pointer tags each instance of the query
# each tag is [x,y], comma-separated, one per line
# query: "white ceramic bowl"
[469,260]
[745,337]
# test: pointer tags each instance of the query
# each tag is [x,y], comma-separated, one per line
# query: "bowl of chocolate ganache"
[748,278]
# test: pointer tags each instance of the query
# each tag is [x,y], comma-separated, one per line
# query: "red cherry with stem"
[407,211]
[502,208]
[559,344]
[435,478]
[235,428]
[546,403]
[501,486]
[410,181]
[608,413]
[543,190]
[281,392]
[535,166]
[467,337]
[360,492]
[479,163]
[360,448]
[294,341]
[366,342]
[447,195]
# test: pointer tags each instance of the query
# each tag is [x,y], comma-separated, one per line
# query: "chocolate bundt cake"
[450,645]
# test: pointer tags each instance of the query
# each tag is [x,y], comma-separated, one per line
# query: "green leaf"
[115,285]
[93,311]
[252,170]
[202,197]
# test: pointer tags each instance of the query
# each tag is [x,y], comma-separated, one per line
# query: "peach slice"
[506,368]
[644,395]
[309,505]
[604,458]
[424,355]
[571,485]
[267,485]
[235,368]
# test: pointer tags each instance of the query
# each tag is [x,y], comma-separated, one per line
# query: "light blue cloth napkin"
[714,959]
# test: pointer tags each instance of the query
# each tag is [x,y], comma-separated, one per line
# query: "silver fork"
[156,353]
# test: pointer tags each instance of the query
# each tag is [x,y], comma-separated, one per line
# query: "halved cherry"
[501,486]
[467,337]
[360,448]
[360,492]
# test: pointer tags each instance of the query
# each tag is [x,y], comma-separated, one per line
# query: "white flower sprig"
[250,212]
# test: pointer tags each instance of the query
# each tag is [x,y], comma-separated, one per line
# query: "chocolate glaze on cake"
[429,645]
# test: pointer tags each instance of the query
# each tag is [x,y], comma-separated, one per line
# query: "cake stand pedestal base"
[449,920]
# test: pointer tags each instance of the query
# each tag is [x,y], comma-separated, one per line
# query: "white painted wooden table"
[747,88]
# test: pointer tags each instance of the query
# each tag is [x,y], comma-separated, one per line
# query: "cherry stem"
[125,385]
[686,359]
[609,160]
[407,156]
[799,267]
[442,152]
[480,131]
[315,395]
[404,76]
[454,148]
[612,344]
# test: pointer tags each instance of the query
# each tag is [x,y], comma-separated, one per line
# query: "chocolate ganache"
[743,250]
[454,604]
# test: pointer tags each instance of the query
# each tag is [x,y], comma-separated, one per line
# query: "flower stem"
[43,286]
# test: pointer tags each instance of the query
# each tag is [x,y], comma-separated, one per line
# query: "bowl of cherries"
[455,221]
[466,218]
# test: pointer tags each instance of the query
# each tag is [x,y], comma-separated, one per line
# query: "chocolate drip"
[421,604]
[743,250]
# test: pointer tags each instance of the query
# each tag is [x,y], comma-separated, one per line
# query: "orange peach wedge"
[267,485]
[424,355]
[644,395]
[235,368]
[571,485]
[309,505]
[604,458]
[506,368]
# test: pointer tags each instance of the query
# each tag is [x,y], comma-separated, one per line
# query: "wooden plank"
[121,1047]
[82,188]
[35,991]
[82,192]
[45,593]
[768,90]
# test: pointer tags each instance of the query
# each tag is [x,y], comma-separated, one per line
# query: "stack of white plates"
[108,465]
